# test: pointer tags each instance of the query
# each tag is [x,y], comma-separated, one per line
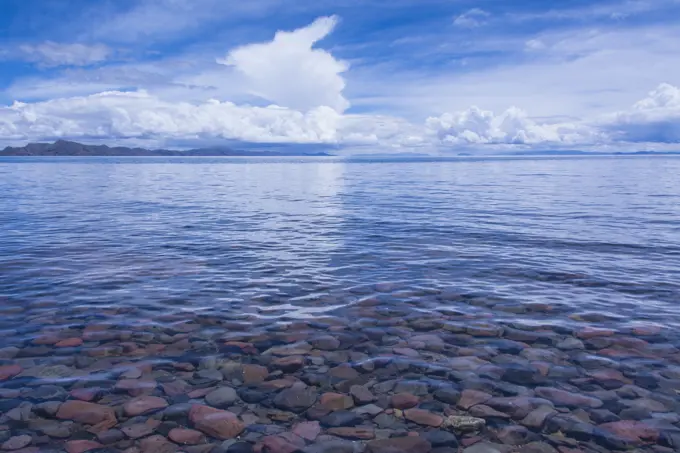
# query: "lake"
[165,279]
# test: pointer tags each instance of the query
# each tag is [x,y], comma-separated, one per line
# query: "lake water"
[178,256]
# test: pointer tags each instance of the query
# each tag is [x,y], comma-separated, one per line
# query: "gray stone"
[369,409]
[9,352]
[110,436]
[449,395]
[385,421]
[16,442]
[341,418]
[48,392]
[570,343]
[296,399]
[51,428]
[48,408]
[21,413]
[221,398]
[326,343]
[176,411]
[208,377]
[536,418]
[361,394]
[384,387]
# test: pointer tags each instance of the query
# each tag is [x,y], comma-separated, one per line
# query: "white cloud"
[289,71]
[472,18]
[51,54]
[581,73]
[165,101]
[656,118]
[475,126]
[116,114]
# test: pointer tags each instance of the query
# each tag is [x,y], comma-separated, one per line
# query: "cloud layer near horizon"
[302,91]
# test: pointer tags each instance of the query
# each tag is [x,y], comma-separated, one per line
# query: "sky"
[441,76]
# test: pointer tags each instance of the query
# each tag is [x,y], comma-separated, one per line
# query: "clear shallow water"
[139,297]
[291,238]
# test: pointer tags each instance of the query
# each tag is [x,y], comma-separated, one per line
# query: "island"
[69,148]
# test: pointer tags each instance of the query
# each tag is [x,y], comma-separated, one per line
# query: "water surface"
[270,237]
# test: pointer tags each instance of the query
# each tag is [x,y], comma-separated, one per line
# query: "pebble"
[9,371]
[461,423]
[404,401]
[215,422]
[423,417]
[295,399]
[81,446]
[340,419]
[144,405]
[336,401]
[307,430]
[361,394]
[186,436]
[471,398]
[221,398]
[16,442]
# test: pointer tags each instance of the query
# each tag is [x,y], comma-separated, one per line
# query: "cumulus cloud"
[50,54]
[289,71]
[116,114]
[475,126]
[656,118]
[472,18]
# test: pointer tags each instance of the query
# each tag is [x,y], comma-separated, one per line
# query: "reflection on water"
[595,234]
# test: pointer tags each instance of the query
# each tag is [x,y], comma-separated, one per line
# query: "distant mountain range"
[68,148]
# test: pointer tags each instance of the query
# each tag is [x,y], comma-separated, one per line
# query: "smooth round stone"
[251,396]
[361,394]
[186,436]
[48,392]
[110,436]
[16,442]
[222,397]
[208,377]
[82,446]
[423,417]
[341,418]
[51,428]
[295,399]
[144,405]
[448,395]
[404,401]
[176,411]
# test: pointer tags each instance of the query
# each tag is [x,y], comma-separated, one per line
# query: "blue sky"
[442,75]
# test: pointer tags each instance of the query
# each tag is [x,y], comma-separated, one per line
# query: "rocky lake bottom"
[377,379]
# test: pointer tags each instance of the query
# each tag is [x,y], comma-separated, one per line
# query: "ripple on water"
[437,281]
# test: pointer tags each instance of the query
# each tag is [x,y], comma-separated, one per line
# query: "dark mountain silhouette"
[68,148]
